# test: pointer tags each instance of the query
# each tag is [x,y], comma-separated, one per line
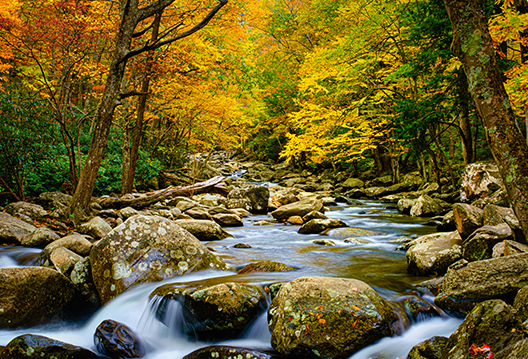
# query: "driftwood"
[213,185]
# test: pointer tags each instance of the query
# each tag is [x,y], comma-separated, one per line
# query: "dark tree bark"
[131,16]
[473,45]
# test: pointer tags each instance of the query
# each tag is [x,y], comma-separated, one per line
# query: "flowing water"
[374,262]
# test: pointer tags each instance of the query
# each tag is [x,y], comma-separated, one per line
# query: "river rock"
[13,230]
[203,230]
[517,350]
[349,232]
[405,204]
[31,296]
[419,309]
[228,220]
[492,325]
[54,200]
[479,180]
[313,215]
[252,198]
[40,237]
[81,276]
[38,346]
[212,200]
[508,248]
[352,183]
[427,206]
[479,245]
[375,192]
[448,223]
[319,225]
[467,218]
[217,311]
[432,348]
[75,243]
[300,208]
[265,266]
[96,227]
[146,249]
[327,317]
[434,253]
[127,212]
[198,213]
[323,242]
[466,284]
[117,341]
[493,215]
[519,303]
[28,212]
[227,352]
[286,196]
[64,260]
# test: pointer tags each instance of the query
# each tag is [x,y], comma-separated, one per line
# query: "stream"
[374,262]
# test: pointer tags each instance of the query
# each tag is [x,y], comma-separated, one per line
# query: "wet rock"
[203,230]
[327,317]
[508,248]
[314,215]
[467,218]
[40,237]
[26,211]
[492,323]
[517,350]
[228,220]
[319,225]
[81,276]
[117,341]
[323,242]
[13,230]
[432,348]
[226,352]
[96,227]
[38,346]
[241,245]
[252,198]
[493,215]
[31,296]
[75,243]
[479,180]
[479,245]
[434,253]
[427,206]
[448,223]
[353,240]
[300,208]
[64,260]
[350,232]
[217,311]
[519,303]
[295,220]
[146,249]
[466,284]
[265,266]
[419,309]
[405,205]
[286,196]
[432,285]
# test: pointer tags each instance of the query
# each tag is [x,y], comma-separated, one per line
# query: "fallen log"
[213,185]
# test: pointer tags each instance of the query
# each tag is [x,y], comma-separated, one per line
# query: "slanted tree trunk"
[473,45]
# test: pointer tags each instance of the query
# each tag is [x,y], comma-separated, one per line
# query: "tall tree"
[131,16]
[474,46]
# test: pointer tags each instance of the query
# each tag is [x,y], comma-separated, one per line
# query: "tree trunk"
[464,122]
[137,132]
[473,45]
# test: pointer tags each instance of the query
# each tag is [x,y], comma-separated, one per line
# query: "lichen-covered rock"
[479,180]
[13,230]
[25,211]
[434,253]
[300,208]
[349,232]
[265,266]
[127,212]
[327,317]
[252,198]
[467,284]
[508,248]
[38,346]
[204,230]
[516,350]
[54,200]
[479,245]
[432,348]
[427,206]
[405,204]
[146,249]
[319,225]
[75,243]
[33,295]
[217,311]
[493,215]
[40,237]
[492,324]
[226,352]
[228,220]
[521,299]
[96,227]
[117,341]
[81,276]
[467,218]
[64,260]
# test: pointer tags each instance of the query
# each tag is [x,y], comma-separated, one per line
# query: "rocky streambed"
[269,271]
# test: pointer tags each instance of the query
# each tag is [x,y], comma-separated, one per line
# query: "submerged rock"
[314,226]
[226,352]
[38,346]
[146,249]
[350,232]
[265,266]
[328,317]
[117,340]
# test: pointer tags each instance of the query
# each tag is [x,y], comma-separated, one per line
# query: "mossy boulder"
[434,253]
[265,266]
[204,230]
[300,208]
[38,346]
[146,249]
[432,348]
[479,245]
[26,211]
[318,225]
[31,296]
[40,237]
[227,352]
[515,350]
[328,317]
[218,311]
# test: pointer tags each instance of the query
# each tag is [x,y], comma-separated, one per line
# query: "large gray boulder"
[204,230]
[40,237]
[479,180]
[74,242]
[300,208]
[28,212]
[434,253]
[252,198]
[493,215]
[146,249]
[96,227]
[13,230]
[479,245]
[352,183]
[327,317]
[427,206]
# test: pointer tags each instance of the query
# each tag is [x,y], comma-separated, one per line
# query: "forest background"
[365,86]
